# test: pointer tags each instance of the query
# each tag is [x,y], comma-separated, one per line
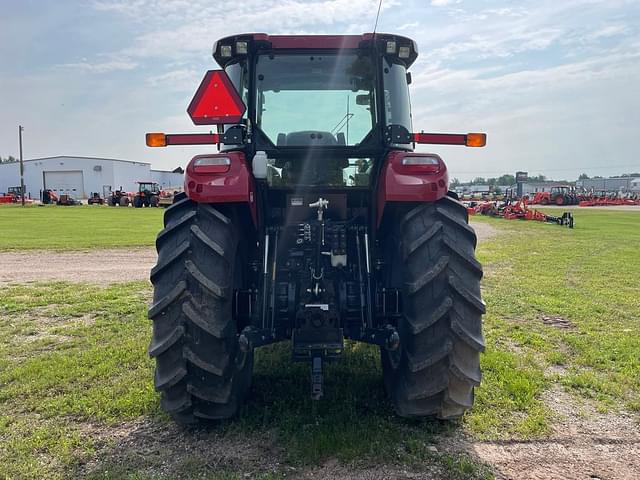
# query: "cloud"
[609,31]
[444,3]
[182,79]
[100,67]
[407,26]
[174,28]
[564,70]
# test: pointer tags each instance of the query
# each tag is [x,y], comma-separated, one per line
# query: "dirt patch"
[583,445]
[557,322]
[483,230]
[166,450]
[95,266]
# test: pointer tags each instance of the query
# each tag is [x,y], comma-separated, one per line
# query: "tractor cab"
[148,188]
[15,193]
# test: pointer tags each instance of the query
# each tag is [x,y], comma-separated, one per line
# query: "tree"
[177,170]
[9,159]
[454,183]
[583,176]
[478,181]
[506,179]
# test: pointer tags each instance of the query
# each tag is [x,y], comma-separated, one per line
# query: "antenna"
[377,16]
[348,118]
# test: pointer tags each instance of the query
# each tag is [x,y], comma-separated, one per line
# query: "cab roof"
[312,42]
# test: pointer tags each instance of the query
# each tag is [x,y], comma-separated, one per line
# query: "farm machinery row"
[606,199]
[569,195]
[511,209]
[148,195]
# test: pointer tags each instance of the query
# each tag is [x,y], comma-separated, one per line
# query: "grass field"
[562,313]
[73,228]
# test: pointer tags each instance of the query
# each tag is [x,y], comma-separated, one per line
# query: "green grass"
[75,228]
[587,276]
[73,362]
[73,365]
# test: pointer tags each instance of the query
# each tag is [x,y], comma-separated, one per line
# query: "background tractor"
[119,197]
[15,193]
[148,195]
[558,195]
[95,199]
[314,221]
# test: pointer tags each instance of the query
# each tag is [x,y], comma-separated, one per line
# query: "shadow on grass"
[281,430]
[353,420]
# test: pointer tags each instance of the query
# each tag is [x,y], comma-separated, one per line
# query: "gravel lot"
[101,265]
[93,266]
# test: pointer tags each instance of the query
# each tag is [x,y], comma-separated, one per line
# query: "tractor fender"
[236,185]
[399,183]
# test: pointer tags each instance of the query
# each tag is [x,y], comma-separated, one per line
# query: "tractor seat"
[306,138]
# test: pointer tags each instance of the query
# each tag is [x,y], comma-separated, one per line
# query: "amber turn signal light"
[476,139]
[156,140]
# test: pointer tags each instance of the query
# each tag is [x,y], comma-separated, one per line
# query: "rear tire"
[432,254]
[200,371]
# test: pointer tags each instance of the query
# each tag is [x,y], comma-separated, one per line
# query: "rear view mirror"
[363,100]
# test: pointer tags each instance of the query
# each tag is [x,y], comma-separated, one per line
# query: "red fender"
[402,183]
[236,185]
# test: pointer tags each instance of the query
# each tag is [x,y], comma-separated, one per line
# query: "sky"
[554,83]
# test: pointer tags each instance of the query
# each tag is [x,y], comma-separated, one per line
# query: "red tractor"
[559,195]
[148,195]
[13,195]
[119,197]
[314,222]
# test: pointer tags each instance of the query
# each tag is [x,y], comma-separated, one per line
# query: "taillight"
[421,164]
[211,164]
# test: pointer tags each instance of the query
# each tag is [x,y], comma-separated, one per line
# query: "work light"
[391,47]
[404,52]
[242,48]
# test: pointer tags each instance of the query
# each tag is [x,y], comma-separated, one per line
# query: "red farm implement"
[605,199]
[519,210]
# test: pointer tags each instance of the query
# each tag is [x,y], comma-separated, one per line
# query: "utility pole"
[20,129]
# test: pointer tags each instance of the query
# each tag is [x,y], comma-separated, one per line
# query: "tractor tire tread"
[438,365]
[194,335]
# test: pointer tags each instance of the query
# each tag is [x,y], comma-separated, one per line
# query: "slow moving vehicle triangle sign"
[216,101]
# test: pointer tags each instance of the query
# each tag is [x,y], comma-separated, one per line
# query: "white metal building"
[612,184]
[81,176]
